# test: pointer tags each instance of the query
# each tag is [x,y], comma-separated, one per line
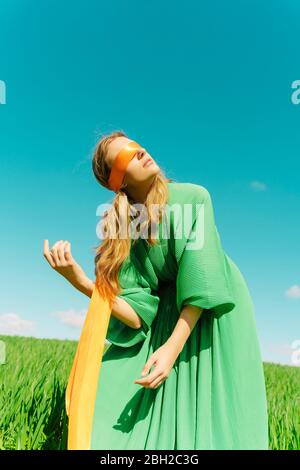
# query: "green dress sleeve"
[136,291]
[203,276]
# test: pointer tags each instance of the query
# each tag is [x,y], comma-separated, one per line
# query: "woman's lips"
[148,162]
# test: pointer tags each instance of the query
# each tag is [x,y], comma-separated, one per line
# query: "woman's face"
[136,171]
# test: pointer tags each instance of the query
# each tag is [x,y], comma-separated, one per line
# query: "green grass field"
[32,396]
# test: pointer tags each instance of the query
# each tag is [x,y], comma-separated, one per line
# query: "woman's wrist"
[183,328]
[84,285]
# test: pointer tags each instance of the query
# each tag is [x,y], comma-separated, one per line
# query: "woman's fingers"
[54,252]
[68,255]
[47,254]
[64,253]
[157,383]
[153,378]
[147,381]
[150,362]
[61,252]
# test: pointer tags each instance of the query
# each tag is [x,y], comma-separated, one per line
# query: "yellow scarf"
[83,380]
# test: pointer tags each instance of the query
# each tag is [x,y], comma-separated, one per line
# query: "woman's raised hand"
[61,260]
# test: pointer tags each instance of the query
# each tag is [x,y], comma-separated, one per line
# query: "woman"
[184,368]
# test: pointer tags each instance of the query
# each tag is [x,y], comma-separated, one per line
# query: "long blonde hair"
[113,251]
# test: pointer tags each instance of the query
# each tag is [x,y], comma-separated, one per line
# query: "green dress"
[214,396]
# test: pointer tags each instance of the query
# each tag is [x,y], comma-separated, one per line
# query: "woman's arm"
[120,309]
[61,260]
[165,356]
[189,316]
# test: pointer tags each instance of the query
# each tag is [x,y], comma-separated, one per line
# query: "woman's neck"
[138,192]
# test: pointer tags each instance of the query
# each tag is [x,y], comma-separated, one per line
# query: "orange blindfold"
[120,164]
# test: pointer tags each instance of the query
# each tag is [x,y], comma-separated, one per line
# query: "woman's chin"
[154,169]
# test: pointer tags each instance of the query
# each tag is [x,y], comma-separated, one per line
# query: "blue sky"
[205,87]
